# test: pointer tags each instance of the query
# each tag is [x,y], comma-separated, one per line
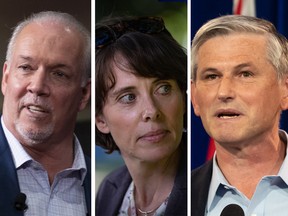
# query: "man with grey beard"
[46,82]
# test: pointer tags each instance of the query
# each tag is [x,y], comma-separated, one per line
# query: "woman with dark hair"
[141,81]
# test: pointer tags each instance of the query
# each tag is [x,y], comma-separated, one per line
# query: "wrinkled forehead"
[49,29]
[51,35]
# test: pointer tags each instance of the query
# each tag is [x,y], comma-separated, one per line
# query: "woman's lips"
[154,136]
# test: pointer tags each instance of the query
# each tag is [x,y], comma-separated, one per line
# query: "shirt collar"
[284,167]
[79,162]
[20,156]
[219,179]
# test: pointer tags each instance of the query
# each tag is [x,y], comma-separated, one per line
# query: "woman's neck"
[153,182]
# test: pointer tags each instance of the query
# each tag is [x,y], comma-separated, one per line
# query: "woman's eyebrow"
[116,92]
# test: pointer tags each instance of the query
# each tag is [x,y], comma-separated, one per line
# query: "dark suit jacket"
[113,189]
[201,178]
[9,185]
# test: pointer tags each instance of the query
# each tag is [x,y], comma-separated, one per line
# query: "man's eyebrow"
[57,65]
[240,66]
[237,67]
[26,57]
[60,65]
[211,69]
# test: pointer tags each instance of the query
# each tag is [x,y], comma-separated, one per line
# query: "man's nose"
[226,89]
[39,83]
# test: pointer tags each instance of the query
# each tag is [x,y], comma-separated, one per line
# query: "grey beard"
[34,136]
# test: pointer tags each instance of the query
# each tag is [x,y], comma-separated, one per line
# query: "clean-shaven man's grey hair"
[277,53]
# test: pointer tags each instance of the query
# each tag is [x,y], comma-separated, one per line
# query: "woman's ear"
[101,124]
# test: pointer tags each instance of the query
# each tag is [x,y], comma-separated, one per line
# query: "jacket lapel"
[201,178]
[87,185]
[9,185]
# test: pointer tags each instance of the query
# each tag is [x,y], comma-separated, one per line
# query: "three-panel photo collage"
[144,108]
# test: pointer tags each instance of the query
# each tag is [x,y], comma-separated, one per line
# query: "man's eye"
[211,76]
[25,67]
[58,74]
[245,74]
[127,99]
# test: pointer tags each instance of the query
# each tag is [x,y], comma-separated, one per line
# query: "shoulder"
[201,178]
[177,204]
[111,191]
[88,162]
[204,170]
[181,176]
[117,179]
[120,173]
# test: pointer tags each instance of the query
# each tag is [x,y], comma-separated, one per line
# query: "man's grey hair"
[277,44]
[66,20]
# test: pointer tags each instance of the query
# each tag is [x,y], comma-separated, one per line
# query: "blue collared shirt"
[270,197]
[65,197]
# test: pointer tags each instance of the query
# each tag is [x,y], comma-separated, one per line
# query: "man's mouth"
[227,115]
[37,109]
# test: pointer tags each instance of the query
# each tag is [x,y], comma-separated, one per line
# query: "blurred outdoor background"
[13,11]
[175,18]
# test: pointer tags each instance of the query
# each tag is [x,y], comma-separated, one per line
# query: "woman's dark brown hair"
[150,55]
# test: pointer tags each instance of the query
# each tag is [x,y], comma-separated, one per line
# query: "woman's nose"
[150,110]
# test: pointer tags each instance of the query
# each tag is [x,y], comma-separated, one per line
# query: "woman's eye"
[127,99]
[164,89]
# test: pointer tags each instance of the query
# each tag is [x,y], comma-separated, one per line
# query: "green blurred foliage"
[173,13]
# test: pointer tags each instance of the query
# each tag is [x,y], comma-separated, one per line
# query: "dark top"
[201,178]
[114,187]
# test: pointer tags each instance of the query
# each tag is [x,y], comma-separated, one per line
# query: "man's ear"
[284,99]
[4,77]
[101,124]
[194,99]
[86,92]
